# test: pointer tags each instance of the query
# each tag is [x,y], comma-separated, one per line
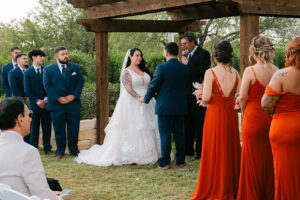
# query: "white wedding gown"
[132,133]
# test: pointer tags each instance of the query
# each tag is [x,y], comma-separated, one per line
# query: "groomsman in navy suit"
[63,83]
[6,69]
[34,89]
[16,81]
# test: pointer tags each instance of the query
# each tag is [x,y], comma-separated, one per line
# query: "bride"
[132,134]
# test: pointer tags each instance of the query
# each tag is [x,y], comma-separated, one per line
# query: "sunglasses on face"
[30,113]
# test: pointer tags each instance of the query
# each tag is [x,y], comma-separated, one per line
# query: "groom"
[170,84]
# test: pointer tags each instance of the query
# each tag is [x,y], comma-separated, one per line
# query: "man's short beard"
[64,62]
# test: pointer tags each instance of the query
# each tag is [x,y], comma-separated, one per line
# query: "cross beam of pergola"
[184,13]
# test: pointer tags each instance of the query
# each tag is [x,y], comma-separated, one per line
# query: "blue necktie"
[39,74]
[63,71]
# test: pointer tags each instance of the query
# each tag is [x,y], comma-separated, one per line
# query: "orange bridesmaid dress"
[257,173]
[285,143]
[221,151]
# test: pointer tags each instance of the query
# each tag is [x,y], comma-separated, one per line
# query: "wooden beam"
[249,28]
[102,101]
[136,7]
[107,25]
[90,3]
[283,8]
[206,11]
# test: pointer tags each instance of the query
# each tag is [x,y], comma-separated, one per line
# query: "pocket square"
[74,73]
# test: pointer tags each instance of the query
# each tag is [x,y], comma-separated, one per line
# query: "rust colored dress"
[285,143]
[257,173]
[221,151]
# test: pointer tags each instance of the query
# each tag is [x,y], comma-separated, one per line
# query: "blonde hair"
[263,48]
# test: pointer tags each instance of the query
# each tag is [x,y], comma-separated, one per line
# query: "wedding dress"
[132,133]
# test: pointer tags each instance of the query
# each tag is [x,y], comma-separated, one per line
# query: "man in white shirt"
[21,167]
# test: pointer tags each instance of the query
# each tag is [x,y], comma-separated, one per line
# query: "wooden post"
[179,45]
[102,101]
[249,28]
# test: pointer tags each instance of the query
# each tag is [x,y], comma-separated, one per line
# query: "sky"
[12,9]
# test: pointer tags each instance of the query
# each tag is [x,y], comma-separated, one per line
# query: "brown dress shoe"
[58,157]
[180,165]
[163,168]
[49,153]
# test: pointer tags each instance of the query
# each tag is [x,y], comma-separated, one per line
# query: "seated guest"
[21,167]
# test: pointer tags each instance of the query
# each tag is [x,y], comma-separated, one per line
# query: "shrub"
[88,99]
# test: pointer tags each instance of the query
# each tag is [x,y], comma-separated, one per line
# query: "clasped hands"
[67,99]
[141,99]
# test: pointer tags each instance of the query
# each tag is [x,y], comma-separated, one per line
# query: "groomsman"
[6,69]
[16,81]
[34,89]
[63,83]
[198,61]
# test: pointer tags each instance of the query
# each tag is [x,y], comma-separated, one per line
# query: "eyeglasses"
[30,113]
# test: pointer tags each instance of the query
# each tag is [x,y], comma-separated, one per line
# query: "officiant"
[198,61]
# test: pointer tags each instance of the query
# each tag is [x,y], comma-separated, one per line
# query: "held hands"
[237,102]
[41,104]
[184,60]
[141,99]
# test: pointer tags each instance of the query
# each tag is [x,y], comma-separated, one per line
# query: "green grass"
[127,182]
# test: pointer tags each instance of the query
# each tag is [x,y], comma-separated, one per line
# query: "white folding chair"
[6,193]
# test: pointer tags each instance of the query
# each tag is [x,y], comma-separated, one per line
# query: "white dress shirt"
[192,52]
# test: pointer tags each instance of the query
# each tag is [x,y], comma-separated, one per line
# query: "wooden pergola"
[185,15]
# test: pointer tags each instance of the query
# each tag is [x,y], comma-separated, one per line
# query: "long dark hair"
[142,65]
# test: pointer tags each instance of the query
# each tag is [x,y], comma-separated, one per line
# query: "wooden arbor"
[184,13]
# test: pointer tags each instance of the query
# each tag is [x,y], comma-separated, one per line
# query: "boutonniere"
[68,68]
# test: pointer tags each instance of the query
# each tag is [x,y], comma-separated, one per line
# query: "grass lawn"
[122,182]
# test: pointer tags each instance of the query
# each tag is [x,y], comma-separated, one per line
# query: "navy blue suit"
[16,84]
[57,86]
[170,84]
[4,78]
[34,89]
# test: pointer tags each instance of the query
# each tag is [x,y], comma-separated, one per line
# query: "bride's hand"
[141,99]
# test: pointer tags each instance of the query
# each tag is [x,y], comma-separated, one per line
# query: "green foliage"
[279,59]
[88,99]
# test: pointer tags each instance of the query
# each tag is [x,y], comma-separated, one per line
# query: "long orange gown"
[285,143]
[221,151]
[257,173]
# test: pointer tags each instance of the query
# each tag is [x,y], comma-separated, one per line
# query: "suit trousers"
[193,128]
[168,125]
[61,121]
[41,116]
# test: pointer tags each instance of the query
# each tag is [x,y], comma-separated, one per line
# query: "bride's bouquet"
[198,93]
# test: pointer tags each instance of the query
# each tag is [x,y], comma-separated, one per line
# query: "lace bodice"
[139,82]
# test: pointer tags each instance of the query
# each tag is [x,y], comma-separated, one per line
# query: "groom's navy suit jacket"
[56,86]
[170,83]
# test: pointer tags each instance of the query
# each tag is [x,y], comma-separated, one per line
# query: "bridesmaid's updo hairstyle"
[222,52]
[292,53]
[262,47]
[142,65]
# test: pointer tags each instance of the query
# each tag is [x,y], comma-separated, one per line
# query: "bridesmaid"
[220,163]
[257,174]
[282,97]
